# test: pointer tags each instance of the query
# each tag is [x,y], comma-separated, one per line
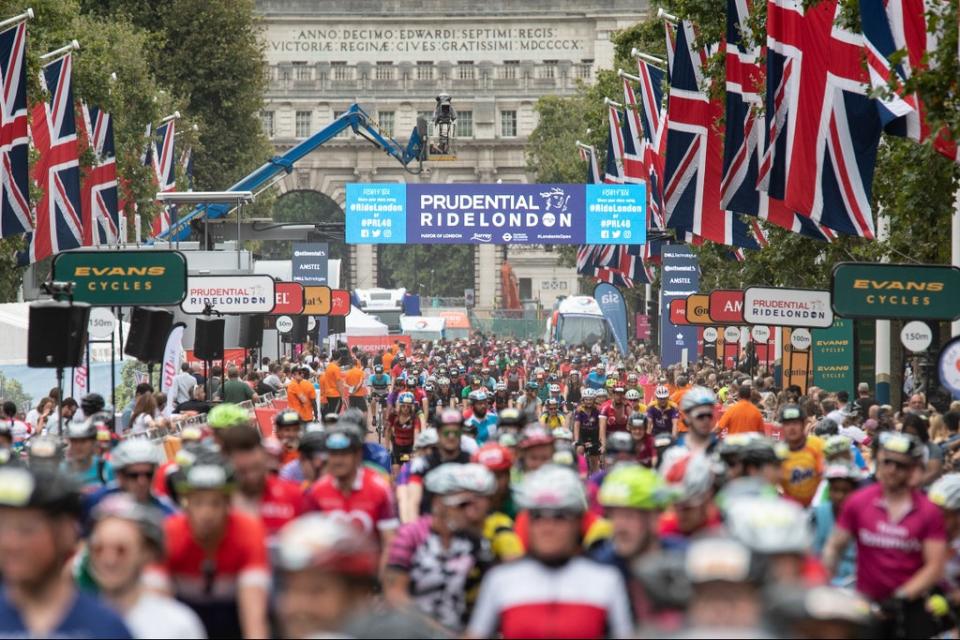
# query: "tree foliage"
[11,390]
[431,270]
[307,206]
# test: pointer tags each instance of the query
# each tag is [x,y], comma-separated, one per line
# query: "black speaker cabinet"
[149,328]
[251,332]
[336,324]
[57,334]
[208,338]
[297,335]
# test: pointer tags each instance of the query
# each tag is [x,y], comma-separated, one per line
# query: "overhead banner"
[680,278]
[614,309]
[310,262]
[172,355]
[832,353]
[375,344]
[726,306]
[891,291]
[787,307]
[123,278]
[466,213]
[230,294]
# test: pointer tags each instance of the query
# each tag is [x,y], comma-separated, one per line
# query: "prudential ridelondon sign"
[495,214]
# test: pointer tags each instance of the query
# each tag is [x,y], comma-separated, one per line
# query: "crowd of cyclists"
[484,487]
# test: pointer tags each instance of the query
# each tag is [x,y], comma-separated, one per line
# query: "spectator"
[183,384]
[235,390]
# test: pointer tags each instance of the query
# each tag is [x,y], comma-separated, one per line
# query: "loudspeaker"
[208,338]
[57,334]
[336,324]
[149,328]
[297,335]
[251,332]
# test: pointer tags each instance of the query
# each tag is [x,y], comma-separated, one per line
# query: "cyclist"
[646,449]
[501,397]
[574,390]
[613,416]
[900,537]
[945,493]
[449,449]
[842,480]
[482,423]
[127,537]
[379,383]
[39,515]
[597,378]
[693,511]
[620,448]
[697,405]
[286,428]
[329,572]
[634,400]
[552,418]
[216,560]
[586,429]
[135,462]
[663,414]
[546,593]
[536,447]
[499,460]
[311,451]
[445,393]
[529,403]
[82,463]
[803,466]
[402,429]
[555,393]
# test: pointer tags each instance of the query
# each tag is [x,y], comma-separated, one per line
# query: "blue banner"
[495,214]
[680,278]
[614,309]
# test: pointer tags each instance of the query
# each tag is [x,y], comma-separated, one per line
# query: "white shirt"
[155,616]
[182,387]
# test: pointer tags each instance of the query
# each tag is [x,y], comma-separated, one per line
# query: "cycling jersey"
[802,470]
[552,421]
[209,583]
[404,432]
[485,428]
[589,421]
[616,418]
[369,505]
[281,502]
[379,383]
[443,579]
[661,420]
[526,599]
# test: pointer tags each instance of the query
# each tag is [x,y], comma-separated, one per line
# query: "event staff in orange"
[301,395]
[332,387]
[743,416]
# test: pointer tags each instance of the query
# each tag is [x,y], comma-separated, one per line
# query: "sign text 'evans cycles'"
[912,291]
[134,278]
[387,213]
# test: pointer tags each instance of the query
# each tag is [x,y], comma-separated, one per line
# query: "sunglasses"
[550,514]
[701,416]
[136,475]
[450,432]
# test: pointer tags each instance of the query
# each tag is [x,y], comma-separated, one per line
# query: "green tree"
[307,206]
[128,382]
[430,270]
[11,390]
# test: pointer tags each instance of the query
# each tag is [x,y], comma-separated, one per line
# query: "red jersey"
[240,559]
[404,432]
[369,504]
[615,422]
[281,502]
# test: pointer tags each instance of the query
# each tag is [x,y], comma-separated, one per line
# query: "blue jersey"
[484,429]
[595,380]
[87,617]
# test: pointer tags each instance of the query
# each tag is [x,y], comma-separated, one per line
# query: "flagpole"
[669,17]
[882,352]
[26,15]
[612,103]
[955,249]
[636,53]
[73,46]
[628,76]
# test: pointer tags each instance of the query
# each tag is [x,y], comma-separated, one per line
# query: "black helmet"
[378,368]
[760,451]
[287,418]
[637,419]
[621,442]
[826,427]
[92,403]
[51,492]
[313,442]
[510,418]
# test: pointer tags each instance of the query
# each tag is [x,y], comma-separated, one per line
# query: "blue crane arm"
[353,118]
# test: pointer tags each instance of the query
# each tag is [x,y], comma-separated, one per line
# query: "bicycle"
[380,400]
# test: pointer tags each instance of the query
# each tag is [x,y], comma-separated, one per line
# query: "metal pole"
[26,15]
[882,353]
[88,367]
[113,374]
[955,249]
[239,210]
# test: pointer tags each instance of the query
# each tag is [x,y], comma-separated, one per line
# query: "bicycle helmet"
[378,369]
[552,403]
[574,373]
[86,430]
[226,415]
[135,451]
[406,398]
[451,417]
[790,413]
[92,403]
[209,471]
[554,388]
[312,442]
[902,443]
[534,435]
[600,393]
[637,420]
[319,541]
[661,392]
[287,418]
[826,427]
[532,386]
[500,386]
[842,471]
[562,433]
[478,396]
[46,490]
[618,389]
[123,507]
[494,457]
[444,381]
[552,487]
[762,450]
[945,492]
[343,438]
[588,394]
[836,445]
[621,442]
[690,477]
[610,383]
[510,417]
[632,377]
[507,439]
[474,478]
[442,480]
[634,487]
[716,559]
[769,525]
[697,397]
[633,395]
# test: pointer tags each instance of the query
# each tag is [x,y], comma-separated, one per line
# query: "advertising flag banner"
[787,307]
[680,278]
[893,291]
[466,213]
[614,309]
[698,309]
[833,357]
[172,356]
[310,262]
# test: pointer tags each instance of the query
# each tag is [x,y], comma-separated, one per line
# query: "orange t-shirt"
[303,409]
[388,360]
[677,395]
[328,382]
[354,378]
[741,417]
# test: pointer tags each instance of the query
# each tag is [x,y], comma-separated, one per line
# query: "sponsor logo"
[86,272]
[898,285]
[310,254]
[507,237]
[482,237]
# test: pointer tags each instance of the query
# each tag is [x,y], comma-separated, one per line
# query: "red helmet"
[494,457]
[534,435]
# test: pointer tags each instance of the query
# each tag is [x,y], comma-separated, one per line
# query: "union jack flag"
[889,27]
[613,169]
[162,159]
[58,223]
[14,170]
[632,136]
[743,142]
[822,130]
[589,155]
[654,117]
[695,154]
[101,220]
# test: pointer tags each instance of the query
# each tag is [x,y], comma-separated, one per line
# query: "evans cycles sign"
[787,307]
[912,291]
[128,278]
[390,213]
[230,294]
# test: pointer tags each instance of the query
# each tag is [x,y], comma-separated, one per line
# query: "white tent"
[422,327]
[362,324]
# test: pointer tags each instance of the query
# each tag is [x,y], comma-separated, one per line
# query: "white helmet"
[135,451]
[769,525]
[554,388]
[500,386]
[551,487]
[661,392]
[945,492]
[589,394]
[633,395]
[562,433]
